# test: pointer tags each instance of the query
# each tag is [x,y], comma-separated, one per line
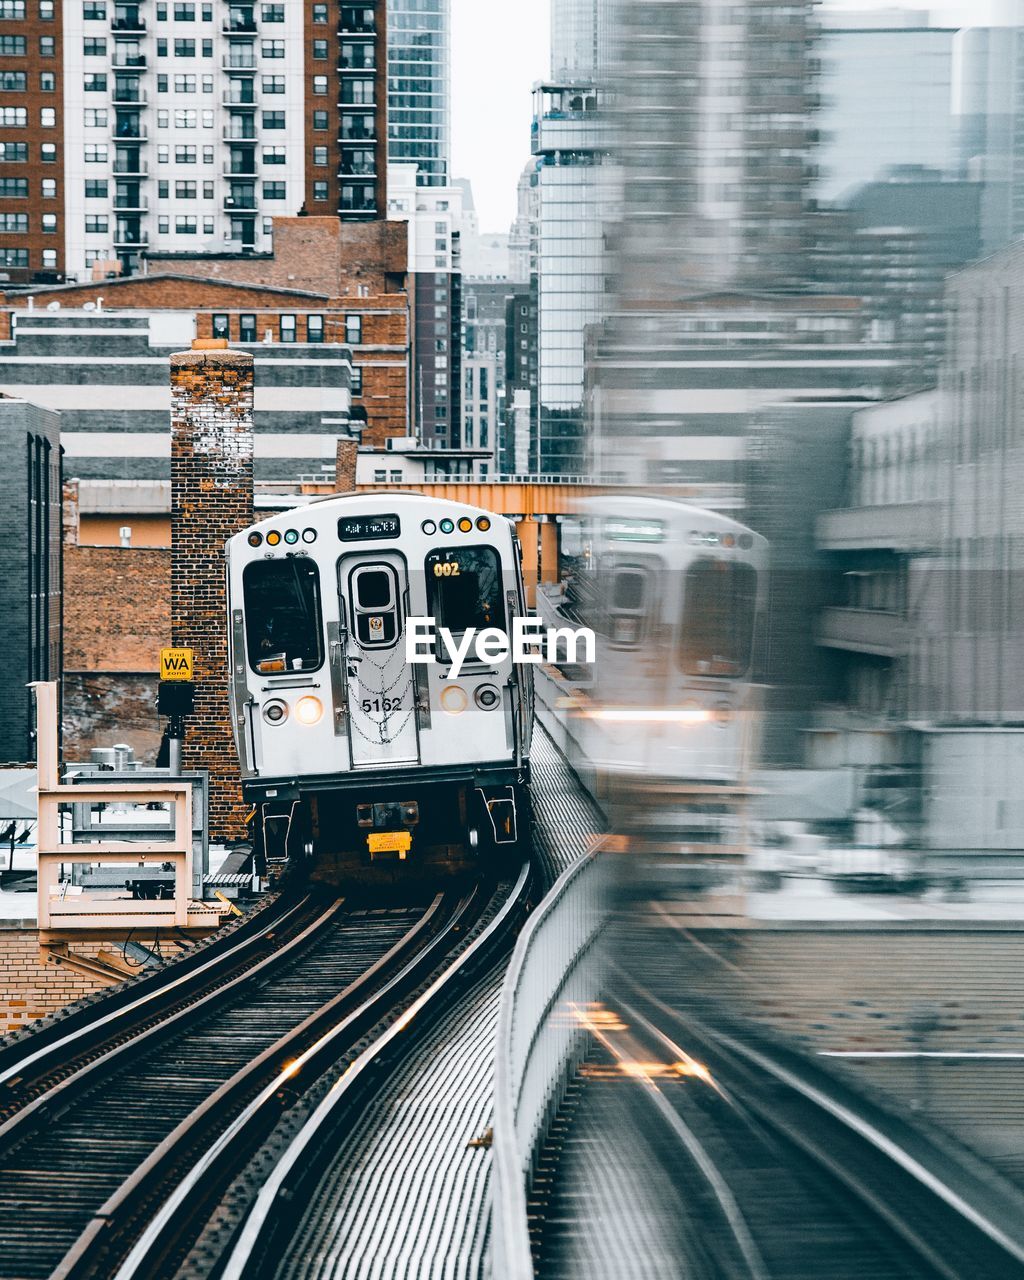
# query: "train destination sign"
[368,528]
[176,664]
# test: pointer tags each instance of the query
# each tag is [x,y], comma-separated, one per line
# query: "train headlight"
[487,697]
[454,700]
[275,712]
[308,710]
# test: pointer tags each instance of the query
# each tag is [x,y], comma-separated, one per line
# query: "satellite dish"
[88,306]
[53,306]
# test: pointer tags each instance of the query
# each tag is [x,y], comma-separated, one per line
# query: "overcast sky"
[498,51]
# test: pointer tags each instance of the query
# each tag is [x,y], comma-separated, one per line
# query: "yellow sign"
[389,841]
[176,664]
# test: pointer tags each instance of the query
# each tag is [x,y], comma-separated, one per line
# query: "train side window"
[627,606]
[375,608]
[283,626]
[719,615]
[464,588]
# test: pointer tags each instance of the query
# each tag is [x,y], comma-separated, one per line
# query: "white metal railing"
[553,976]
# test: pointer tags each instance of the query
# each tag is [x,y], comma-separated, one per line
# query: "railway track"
[783,1176]
[192,1077]
[293,1201]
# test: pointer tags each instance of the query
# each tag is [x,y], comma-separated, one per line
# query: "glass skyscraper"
[419,87]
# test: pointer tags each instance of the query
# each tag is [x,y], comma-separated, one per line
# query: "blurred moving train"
[350,754]
[664,726]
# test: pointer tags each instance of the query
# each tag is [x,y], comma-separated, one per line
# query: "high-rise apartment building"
[180,126]
[419,87]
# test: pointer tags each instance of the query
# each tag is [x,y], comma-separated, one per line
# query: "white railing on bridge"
[553,978]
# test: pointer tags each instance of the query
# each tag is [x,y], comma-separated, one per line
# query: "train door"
[379,681]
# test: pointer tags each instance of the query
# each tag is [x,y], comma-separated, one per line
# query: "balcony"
[131,238]
[130,202]
[240,203]
[902,527]
[358,64]
[237,138]
[131,167]
[230,171]
[134,132]
[357,170]
[124,23]
[357,135]
[242,104]
[130,97]
[236,64]
[884,635]
[239,28]
[131,62]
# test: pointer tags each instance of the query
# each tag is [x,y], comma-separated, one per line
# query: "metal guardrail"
[540,1039]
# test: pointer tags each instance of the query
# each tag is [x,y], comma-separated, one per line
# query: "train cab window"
[627,603]
[376,617]
[464,588]
[282,615]
[719,613]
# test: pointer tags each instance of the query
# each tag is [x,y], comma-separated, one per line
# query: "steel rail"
[995,1249]
[24,1063]
[278,1075]
[273,1207]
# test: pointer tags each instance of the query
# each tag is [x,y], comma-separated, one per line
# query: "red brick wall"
[117,607]
[211,498]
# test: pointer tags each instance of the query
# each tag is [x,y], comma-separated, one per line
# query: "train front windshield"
[719,615]
[282,615]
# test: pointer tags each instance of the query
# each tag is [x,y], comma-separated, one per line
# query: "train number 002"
[450,569]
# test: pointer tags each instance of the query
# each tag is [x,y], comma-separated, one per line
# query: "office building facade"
[419,87]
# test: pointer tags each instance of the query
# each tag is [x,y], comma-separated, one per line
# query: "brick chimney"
[211,499]
[345,468]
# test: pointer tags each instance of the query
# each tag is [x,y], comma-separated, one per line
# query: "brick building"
[183,125]
[326,317]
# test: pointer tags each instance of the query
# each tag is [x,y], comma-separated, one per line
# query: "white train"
[349,753]
[664,727]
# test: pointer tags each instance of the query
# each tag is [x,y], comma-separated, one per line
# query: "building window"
[287,328]
[163,154]
[96,222]
[353,329]
[94,10]
[13,221]
[272,48]
[274,191]
[48,152]
[184,84]
[163,119]
[359,92]
[46,10]
[12,8]
[95,117]
[185,119]
[320,50]
[163,225]
[13,257]
[273,84]
[274,13]
[15,81]
[185,225]
[247,328]
[162,83]
[221,326]
[357,380]
[320,155]
[184,191]
[207,48]
[314,328]
[161,48]
[320,86]
[319,121]
[94,47]
[49,186]
[94,82]
[184,48]
[14,117]
[47,82]
[207,155]
[184,13]
[273,119]
[320,191]
[163,189]
[207,119]
[95,188]
[12,46]
[207,190]
[13,152]
[319,14]
[49,259]
[47,46]
[274,155]
[207,84]
[184,155]
[16,188]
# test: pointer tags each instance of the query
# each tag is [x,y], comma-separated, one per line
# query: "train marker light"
[308,710]
[309,535]
[428,527]
[483,524]
[255,539]
[291,536]
[447,526]
[465,525]
[273,538]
